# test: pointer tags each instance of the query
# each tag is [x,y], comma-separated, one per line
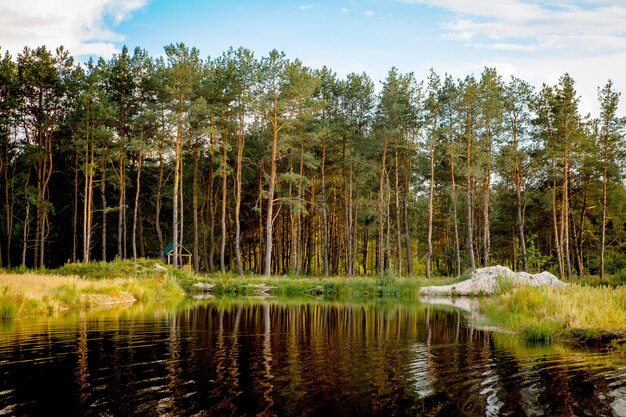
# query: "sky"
[537,41]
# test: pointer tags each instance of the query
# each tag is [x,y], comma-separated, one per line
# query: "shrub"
[10,303]
[504,284]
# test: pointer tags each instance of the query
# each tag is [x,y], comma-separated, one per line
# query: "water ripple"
[315,358]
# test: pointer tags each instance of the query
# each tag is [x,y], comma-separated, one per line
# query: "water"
[252,357]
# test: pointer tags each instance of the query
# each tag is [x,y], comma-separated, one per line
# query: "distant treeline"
[260,164]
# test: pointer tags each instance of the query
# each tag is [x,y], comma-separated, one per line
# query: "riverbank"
[574,313]
[343,286]
[25,293]
[31,294]
[585,314]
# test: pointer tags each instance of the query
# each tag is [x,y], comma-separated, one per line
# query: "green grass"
[547,314]
[114,269]
[77,285]
[330,287]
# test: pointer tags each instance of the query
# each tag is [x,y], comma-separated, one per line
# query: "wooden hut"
[185,258]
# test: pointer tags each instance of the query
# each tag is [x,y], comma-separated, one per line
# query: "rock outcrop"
[486,281]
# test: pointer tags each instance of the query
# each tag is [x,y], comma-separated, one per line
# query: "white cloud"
[304,7]
[528,25]
[539,41]
[344,10]
[368,13]
[81,26]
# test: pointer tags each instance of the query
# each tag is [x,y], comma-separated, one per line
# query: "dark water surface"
[251,357]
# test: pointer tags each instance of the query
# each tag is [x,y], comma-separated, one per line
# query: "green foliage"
[100,116]
[115,269]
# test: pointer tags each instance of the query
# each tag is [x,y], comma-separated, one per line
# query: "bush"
[620,277]
[503,285]
[10,303]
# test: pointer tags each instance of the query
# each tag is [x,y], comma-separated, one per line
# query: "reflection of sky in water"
[295,358]
[419,369]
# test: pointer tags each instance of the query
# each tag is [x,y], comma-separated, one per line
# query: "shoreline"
[583,315]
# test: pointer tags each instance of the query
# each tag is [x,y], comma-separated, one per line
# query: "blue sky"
[368,36]
[534,40]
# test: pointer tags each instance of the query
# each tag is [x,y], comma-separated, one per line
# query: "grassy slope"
[573,312]
[84,285]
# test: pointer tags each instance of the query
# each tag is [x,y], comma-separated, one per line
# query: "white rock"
[488,280]
[203,286]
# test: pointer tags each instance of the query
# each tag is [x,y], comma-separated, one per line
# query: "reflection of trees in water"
[295,358]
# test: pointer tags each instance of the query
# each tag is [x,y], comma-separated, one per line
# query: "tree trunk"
[137,189]
[194,198]
[260,218]
[177,182]
[212,205]
[299,217]
[238,187]
[381,208]
[136,209]
[25,234]
[224,191]
[431,194]
[157,214]
[518,178]
[486,196]
[88,200]
[121,176]
[103,198]
[407,234]
[142,238]
[75,214]
[565,215]
[270,200]
[324,209]
[457,246]
[470,214]
[604,205]
[557,238]
[398,233]
[8,201]
[388,223]
[47,174]
[578,234]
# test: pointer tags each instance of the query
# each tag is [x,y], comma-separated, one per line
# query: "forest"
[263,165]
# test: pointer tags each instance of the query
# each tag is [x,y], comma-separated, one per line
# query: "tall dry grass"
[30,294]
[548,313]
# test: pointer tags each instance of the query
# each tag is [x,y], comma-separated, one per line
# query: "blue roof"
[169,248]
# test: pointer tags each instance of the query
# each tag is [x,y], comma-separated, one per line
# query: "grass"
[84,285]
[581,312]
[386,286]
[545,314]
[76,285]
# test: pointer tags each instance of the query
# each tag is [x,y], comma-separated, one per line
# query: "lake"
[292,358]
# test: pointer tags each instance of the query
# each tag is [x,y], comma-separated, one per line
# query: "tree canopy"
[273,167]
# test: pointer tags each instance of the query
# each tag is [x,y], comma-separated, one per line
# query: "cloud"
[528,25]
[304,7]
[344,10]
[369,13]
[83,27]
